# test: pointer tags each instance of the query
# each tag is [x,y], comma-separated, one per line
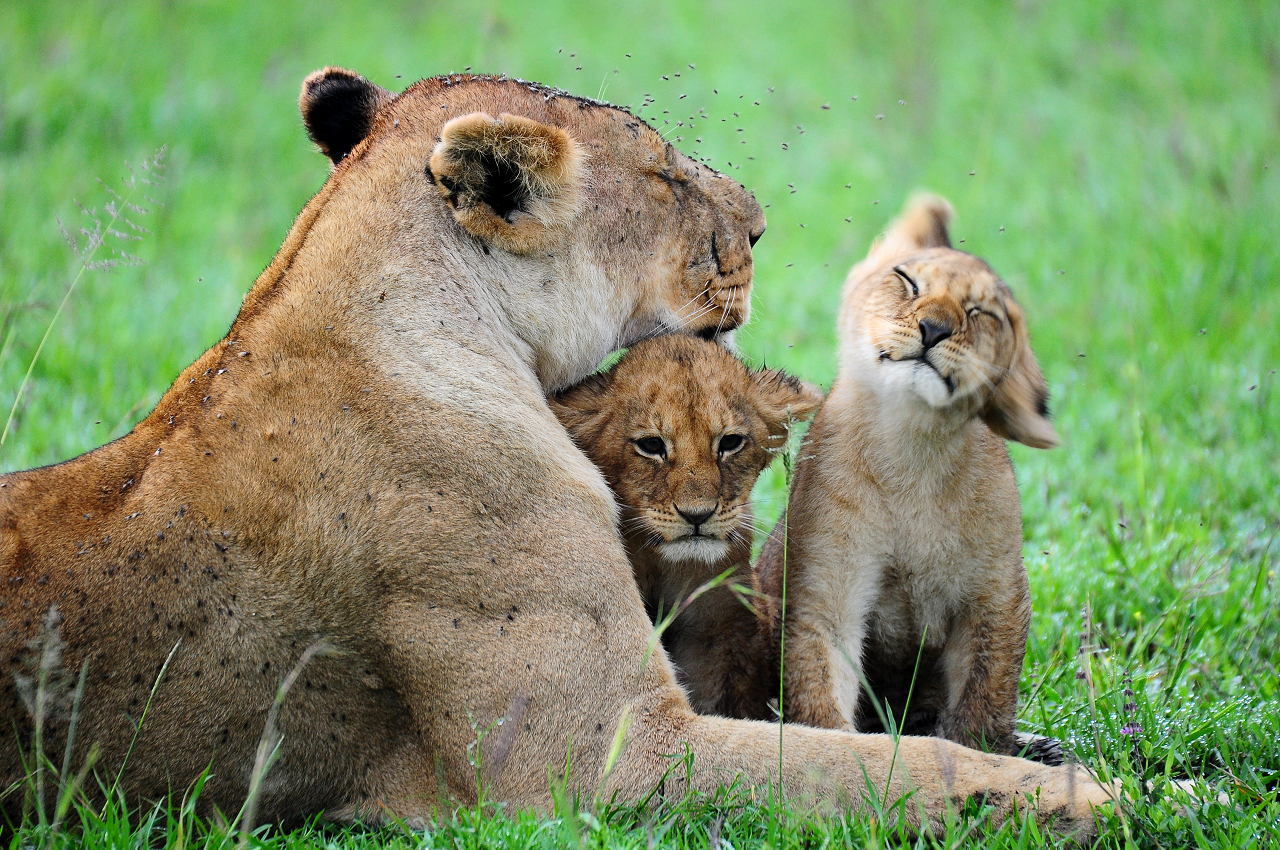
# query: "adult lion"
[367,459]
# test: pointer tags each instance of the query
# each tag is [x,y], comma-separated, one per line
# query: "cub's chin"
[927,383]
[908,377]
[705,549]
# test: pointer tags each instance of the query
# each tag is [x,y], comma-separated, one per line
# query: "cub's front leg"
[982,663]
[811,668]
[723,660]
[827,616]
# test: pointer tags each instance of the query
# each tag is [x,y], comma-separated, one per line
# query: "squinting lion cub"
[682,429]
[904,541]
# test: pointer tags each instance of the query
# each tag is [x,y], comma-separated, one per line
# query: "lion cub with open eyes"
[904,529]
[682,429]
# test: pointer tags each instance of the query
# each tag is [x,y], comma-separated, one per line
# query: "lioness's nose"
[695,516]
[932,333]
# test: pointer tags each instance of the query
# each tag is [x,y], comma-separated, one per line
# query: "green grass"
[1119,165]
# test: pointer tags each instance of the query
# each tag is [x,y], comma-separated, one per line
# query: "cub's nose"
[696,516]
[932,333]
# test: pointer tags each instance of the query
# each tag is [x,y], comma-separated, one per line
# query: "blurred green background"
[1124,152]
[1118,164]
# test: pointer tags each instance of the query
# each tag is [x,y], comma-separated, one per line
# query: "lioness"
[903,533]
[681,430]
[368,459]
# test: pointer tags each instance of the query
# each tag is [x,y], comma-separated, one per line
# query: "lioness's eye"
[915,290]
[730,443]
[651,447]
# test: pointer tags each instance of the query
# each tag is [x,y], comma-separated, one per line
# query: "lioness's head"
[587,230]
[682,429]
[923,321]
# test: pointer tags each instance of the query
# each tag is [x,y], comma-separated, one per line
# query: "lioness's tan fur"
[903,535]
[368,459]
[685,509]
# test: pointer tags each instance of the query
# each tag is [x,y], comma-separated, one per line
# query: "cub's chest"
[929,566]
[914,604]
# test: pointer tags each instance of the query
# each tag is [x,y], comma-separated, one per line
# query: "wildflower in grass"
[1086,630]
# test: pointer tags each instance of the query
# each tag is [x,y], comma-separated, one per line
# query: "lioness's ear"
[338,108]
[579,408]
[510,179]
[1019,407]
[782,398]
[923,224]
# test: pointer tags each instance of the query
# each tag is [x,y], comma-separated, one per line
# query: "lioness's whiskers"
[704,291]
[684,322]
[725,315]
[681,321]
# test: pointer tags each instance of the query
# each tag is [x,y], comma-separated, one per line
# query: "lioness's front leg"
[930,775]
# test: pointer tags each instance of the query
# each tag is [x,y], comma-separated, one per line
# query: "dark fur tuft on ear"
[338,107]
[510,180]
[580,407]
[783,399]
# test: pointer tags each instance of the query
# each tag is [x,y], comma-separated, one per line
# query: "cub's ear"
[923,224]
[338,108]
[510,180]
[581,407]
[781,398]
[1019,407]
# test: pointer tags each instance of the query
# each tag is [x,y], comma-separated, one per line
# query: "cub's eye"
[651,447]
[730,443]
[915,290]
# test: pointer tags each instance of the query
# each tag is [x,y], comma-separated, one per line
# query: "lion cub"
[904,528]
[682,429]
